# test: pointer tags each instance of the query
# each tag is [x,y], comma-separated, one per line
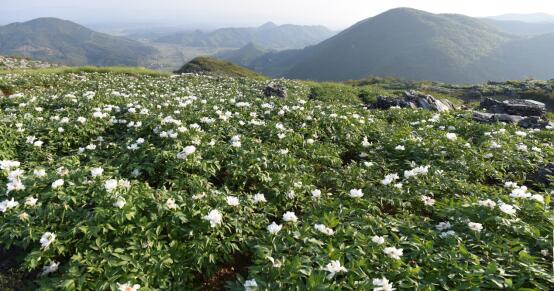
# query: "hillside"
[207,65]
[243,56]
[190,182]
[269,36]
[416,45]
[65,42]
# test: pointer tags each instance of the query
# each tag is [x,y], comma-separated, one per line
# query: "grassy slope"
[218,67]
[88,69]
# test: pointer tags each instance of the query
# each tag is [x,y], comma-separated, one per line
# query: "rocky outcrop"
[273,89]
[526,113]
[545,174]
[514,107]
[413,99]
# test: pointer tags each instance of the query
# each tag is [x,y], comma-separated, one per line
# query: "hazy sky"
[214,13]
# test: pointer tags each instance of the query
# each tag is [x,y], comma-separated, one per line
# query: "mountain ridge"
[62,41]
[268,35]
[415,45]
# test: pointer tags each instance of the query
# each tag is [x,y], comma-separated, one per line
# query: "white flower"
[8,204]
[487,203]
[30,139]
[259,198]
[356,193]
[520,192]
[365,143]
[15,185]
[316,193]
[110,185]
[510,184]
[120,203]
[214,217]
[378,239]
[235,141]
[39,173]
[382,284]
[443,226]
[324,229]
[7,164]
[393,252]
[274,228]
[475,226]
[333,268]
[47,239]
[57,184]
[389,179]
[284,151]
[291,194]
[310,141]
[290,217]
[447,234]
[250,285]
[127,287]
[170,203]
[416,171]
[538,198]
[508,209]
[188,150]
[30,201]
[451,136]
[428,201]
[96,172]
[53,267]
[232,201]
[399,148]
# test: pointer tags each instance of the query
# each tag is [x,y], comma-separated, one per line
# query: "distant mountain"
[243,56]
[522,28]
[207,65]
[529,57]
[534,17]
[269,36]
[61,41]
[416,45]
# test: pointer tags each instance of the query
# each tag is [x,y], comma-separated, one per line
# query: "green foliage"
[136,129]
[134,71]
[217,67]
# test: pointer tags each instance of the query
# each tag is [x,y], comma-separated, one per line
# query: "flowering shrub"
[115,182]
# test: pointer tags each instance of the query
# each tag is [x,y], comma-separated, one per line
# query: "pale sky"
[336,14]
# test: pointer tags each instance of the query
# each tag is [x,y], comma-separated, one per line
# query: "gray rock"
[385,102]
[514,107]
[534,122]
[496,117]
[444,105]
[525,107]
[427,101]
[483,117]
[274,89]
[543,174]
[508,118]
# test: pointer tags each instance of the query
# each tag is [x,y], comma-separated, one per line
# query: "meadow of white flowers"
[122,182]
